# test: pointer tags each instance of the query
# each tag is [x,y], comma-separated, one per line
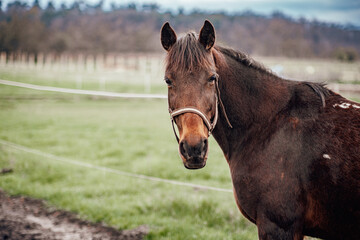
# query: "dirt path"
[26,218]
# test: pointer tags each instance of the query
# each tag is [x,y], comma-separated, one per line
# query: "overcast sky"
[336,11]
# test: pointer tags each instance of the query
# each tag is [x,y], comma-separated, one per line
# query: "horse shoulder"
[266,178]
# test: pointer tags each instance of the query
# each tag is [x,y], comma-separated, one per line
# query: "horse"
[292,147]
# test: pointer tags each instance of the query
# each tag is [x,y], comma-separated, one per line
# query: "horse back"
[333,183]
[304,164]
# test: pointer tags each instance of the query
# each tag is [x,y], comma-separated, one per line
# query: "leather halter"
[210,125]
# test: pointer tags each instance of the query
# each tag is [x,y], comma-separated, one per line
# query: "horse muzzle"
[194,153]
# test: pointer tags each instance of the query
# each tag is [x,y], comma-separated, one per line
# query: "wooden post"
[40,60]
[11,58]
[79,81]
[3,57]
[114,61]
[80,62]
[137,62]
[147,79]
[31,60]
[102,83]
[23,59]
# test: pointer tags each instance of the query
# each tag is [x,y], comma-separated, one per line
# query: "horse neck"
[252,98]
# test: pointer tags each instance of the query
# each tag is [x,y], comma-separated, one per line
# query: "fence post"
[102,83]
[79,82]
[147,79]
[3,57]
[22,60]
[40,60]
[31,60]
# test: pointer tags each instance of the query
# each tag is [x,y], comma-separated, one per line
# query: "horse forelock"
[188,55]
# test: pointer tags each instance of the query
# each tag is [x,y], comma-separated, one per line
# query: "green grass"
[128,135]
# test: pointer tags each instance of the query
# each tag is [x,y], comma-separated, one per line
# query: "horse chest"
[245,200]
[266,184]
[247,193]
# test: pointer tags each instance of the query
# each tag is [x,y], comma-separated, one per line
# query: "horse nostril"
[182,148]
[205,142]
[205,146]
[197,150]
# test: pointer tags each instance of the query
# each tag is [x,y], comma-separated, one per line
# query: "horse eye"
[168,81]
[212,78]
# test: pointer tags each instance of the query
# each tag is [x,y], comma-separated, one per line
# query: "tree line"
[89,29]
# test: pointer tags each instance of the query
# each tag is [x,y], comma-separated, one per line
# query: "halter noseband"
[210,125]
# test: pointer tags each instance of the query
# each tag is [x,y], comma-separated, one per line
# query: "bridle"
[210,125]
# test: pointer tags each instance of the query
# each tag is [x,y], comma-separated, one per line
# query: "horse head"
[192,90]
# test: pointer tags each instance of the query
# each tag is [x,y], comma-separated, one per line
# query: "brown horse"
[292,147]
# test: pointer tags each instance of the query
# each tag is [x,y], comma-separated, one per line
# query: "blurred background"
[296,39]
[114,47]
[110,27]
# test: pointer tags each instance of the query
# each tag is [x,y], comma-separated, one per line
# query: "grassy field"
[128,135]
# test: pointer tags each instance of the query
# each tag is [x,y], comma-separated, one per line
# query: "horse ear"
[168,36]
[207,35]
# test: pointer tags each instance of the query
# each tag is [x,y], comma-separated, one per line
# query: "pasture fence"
[52,157]
[81,92]
[149,66]
[132,68]
[352,89]
[81,61]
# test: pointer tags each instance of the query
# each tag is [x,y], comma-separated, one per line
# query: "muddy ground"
[27,218]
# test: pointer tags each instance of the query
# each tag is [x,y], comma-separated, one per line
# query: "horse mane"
[244,59]
[319,88]
[188,55]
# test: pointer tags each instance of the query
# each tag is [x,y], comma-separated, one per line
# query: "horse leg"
[269,230]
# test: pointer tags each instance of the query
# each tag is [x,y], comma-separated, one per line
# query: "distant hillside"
[90,29]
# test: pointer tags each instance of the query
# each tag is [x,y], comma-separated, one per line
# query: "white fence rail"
[52,157]
[339,88]
[80,91]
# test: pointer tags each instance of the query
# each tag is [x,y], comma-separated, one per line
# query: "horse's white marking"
[346,105]
[342,105]
[326,156]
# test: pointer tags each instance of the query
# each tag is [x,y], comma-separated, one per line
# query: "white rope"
[192,110]
[110,170]
[79,91]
